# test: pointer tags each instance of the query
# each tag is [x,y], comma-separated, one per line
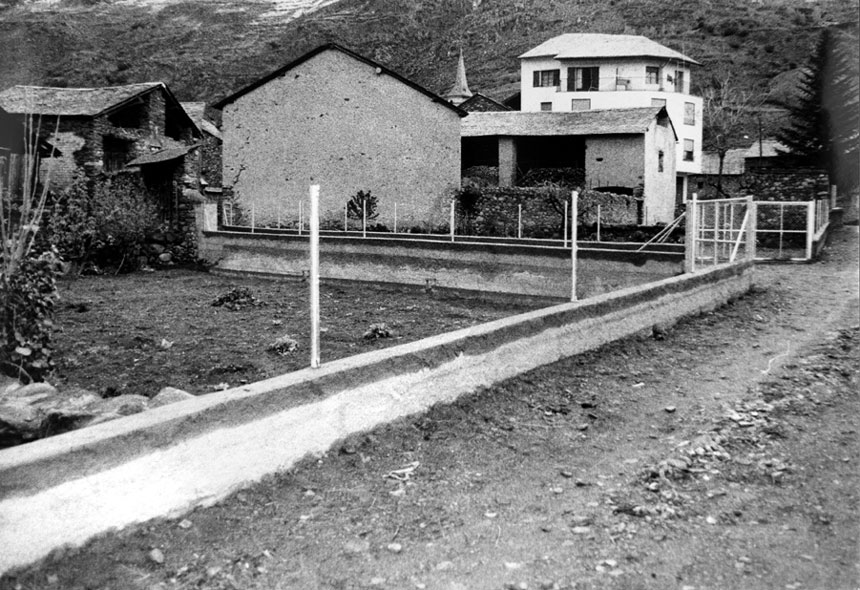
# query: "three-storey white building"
[587,71]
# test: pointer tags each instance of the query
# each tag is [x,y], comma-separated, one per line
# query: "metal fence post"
[345,209]
[364,218]
[395,217]
[301,216]
[314,226]
[520,220]
[451,224]
[574,220]
[564,243]
[810,228]
[716,233]
[598,222]
[252,217]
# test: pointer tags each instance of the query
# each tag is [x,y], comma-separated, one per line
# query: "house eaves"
[543,124]
[335,47]
[604,46]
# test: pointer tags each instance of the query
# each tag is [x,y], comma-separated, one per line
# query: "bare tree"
[726,110]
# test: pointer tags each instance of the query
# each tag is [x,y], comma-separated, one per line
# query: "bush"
[104,222]
[569,178]
[356,204]
[26,318]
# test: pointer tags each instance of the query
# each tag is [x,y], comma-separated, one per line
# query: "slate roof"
[769,149]
[598,45]
[733,163]
[160,156]
[197,112]
[335,47]
[482,103]
[70,102]
[523,124]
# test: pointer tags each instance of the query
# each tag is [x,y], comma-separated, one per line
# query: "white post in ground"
[716,232]
[520,220]
[279,214]
[395,217]
[564,240]
[314,223]
[810,228]
[451,222]
[598,222]
[301,216]
[574,216]
[364,218]
[345,208]
[253,211]
[690,235]
[752,220]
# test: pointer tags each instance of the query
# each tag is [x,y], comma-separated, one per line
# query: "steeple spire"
[459,92]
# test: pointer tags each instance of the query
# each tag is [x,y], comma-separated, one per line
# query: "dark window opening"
[117,153]
[660,161]
[132,116]
[546,106]
[688,150]
[652,75]
[583,79]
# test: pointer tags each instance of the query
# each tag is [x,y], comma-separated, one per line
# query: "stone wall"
[493,211]
[766,184]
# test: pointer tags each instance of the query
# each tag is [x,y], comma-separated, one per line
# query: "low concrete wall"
[522,269]
[164,462]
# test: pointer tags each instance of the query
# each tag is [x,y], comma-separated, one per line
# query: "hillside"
[205,49]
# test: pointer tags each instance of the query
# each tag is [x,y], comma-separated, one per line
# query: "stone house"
[625,150]
[585,71]
[136,128]
[349,124]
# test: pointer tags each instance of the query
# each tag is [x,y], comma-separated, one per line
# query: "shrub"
[356,204]
[26,318]
[103,222]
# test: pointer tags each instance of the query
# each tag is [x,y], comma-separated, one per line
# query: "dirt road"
[719,454]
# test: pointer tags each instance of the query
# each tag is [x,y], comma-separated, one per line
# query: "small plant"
[361,203]
[377,331]
[237,298]
[284,345]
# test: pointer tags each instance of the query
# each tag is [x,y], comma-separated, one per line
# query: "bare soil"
[138,333]
[720,454]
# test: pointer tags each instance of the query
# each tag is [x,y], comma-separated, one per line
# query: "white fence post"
[810,228]
[598,222]
[279,214]
[752,210]
[395,217]
[520,220]
[716,232]
[314,223]
[252,217]
[451,223]
[690,235]
[574,219]
[345,210]
[364,218]
[564,243]
[301,216]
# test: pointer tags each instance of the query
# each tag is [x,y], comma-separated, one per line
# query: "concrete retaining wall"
[500,268]
[164,462]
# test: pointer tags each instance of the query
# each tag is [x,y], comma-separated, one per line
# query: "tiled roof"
[69,102]
[521,124]
[596,45]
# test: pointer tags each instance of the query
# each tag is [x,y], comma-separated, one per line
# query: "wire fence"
[719,231]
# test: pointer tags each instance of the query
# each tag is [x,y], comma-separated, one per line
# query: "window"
[689,113]
[688,150]
[658,102]
[660,161]
[652,75]
[679,81]
[583,79]
[546,106]
[580,104]
[117,152]
[547,78]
